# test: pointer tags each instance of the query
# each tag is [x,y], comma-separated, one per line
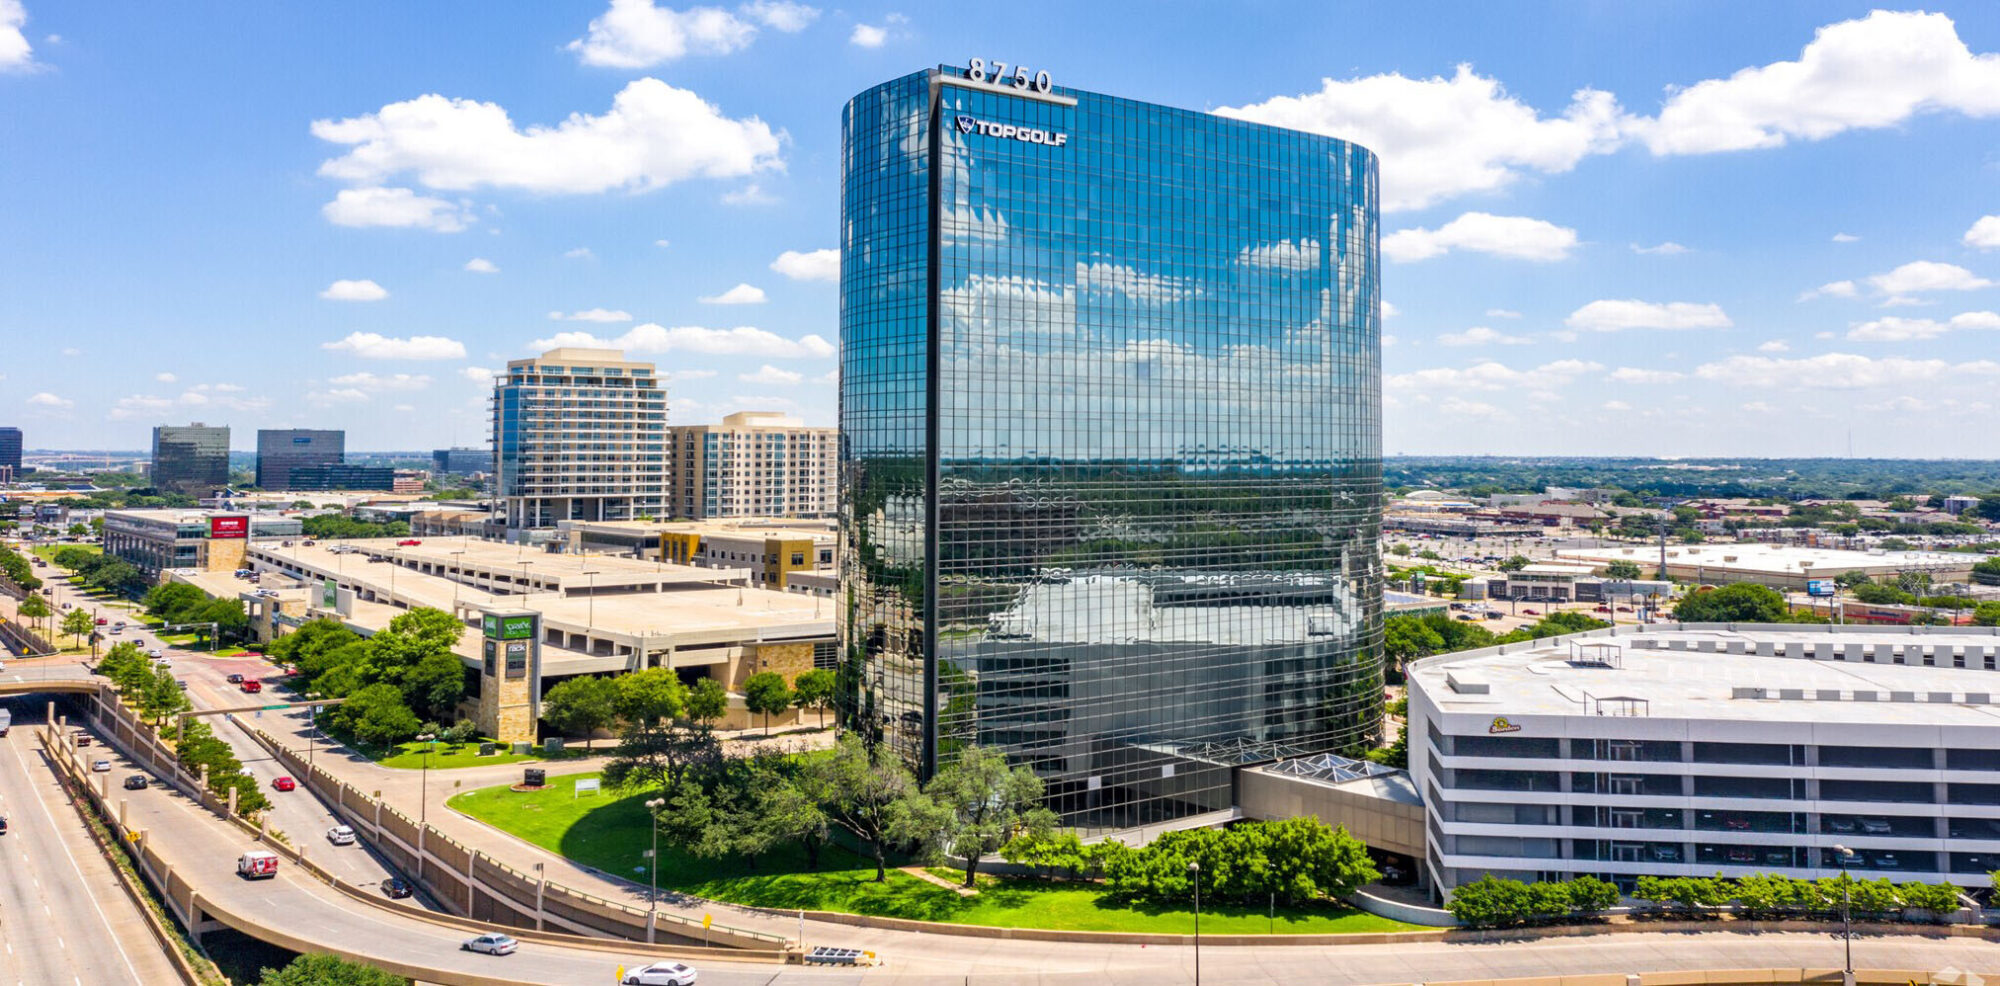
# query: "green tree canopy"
[581,706]
[764,693]
[328,970]
[1742,602]
[814,690]
[985,803]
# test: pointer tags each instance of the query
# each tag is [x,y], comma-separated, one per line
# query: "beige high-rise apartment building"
[754,464]
[580,434]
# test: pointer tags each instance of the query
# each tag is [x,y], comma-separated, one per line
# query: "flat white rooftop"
[1692,674]
[1777,559]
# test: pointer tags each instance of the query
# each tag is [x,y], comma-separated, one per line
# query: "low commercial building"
[155,541]
[1696,751]
[776,552]
[1777,565]
[537,618]
[1557,583]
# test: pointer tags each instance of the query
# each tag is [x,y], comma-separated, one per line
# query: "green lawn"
[609,831]
[47,552]
[410,756]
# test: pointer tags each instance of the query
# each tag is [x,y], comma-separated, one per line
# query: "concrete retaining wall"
[476,885]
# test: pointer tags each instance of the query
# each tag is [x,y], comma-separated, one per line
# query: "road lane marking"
[80,881]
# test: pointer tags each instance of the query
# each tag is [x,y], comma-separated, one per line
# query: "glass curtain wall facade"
[280,451]
[1111,453]
[192,460]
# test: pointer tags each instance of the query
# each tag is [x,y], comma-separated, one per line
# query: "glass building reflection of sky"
[1111,442]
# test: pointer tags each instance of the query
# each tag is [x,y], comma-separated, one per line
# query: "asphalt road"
[63,917]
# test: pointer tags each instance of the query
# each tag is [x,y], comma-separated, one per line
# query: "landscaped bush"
[1296,859]
[1493,902]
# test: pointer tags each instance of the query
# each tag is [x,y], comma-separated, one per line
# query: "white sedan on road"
[661,974]
[340,835]
[491,945]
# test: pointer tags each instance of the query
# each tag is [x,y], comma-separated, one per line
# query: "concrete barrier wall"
[478,886]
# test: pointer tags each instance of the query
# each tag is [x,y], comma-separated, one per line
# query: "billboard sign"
[329,596]
[1822,587]
[517,659]
[508,627]
[235,526]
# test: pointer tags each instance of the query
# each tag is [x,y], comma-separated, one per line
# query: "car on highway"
[409,543]
[101,767]
[235,679]
[661,974]
[491,945]
[82,738]
[257,864]
[284,784]
[1531,612]
[136,782]
[252,686]
[3,825]
[395,888]
[102,621]
[340,835]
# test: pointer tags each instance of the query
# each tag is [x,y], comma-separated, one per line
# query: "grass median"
[609,831]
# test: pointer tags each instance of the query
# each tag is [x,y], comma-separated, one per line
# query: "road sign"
[706,920]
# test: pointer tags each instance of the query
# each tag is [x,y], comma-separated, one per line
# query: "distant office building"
[582,435]
[754,464]
[409,481]
[1953,505]
[461,461]
[204,540]
[279,451]
[1110,440]
[343,476]
[10,455]
[192,460]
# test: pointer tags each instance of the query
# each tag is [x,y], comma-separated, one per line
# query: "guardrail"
[479,886]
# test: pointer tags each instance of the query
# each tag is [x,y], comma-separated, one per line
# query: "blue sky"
[1685,229]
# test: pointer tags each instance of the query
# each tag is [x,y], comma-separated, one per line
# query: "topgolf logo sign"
[1008,131]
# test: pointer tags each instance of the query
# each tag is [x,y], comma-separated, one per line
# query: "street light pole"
[653,900]
[1195,869]
[590,615]
[424,782]
[312,728]
[1843,854]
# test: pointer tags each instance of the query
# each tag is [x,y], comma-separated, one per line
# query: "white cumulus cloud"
[1872,72]
[361,290]
[1832,289]
[1439,137]
[1774,346]
[1984,234]
[478,374]
[1839,371]
[1614,315]
[641,34]
[593,315]
[1502,313]
[740,341]
[1666,249]
[652,136]
[1634,374]
[768,374]
[742,294]
[1480,335]
[395,207]
[810,265]
[369,345]
[16,54]
[1894,329]
[481,265]
[1919,276]
[1519,237]
[48,400]
[868,36]
[1846,238]
[165,377]
[782,15]
[365,380]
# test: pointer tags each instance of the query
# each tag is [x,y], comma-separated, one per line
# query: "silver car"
[661,974]
[491,945]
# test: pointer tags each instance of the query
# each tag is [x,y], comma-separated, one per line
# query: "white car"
[154,654]
[340,835]
[101,767]
[661,974]
[491,945]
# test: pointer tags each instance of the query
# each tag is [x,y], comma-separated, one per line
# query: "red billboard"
[229,527]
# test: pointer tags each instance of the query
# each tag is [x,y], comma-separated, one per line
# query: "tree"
[877,802]
[1406,638]
[581,706]
[986,803]
[434,685]
[34,610]
[161,698]
[764,693]
[1623,569]
[1742,602]
[1514,564]
[814,690]
[707,702]
[77,624]
[1986,614]
[328,970]
[378,716]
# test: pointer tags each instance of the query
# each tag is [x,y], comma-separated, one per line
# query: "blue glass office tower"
[1110,440]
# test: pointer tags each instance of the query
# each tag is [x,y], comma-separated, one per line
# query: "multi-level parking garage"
[1703,751]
